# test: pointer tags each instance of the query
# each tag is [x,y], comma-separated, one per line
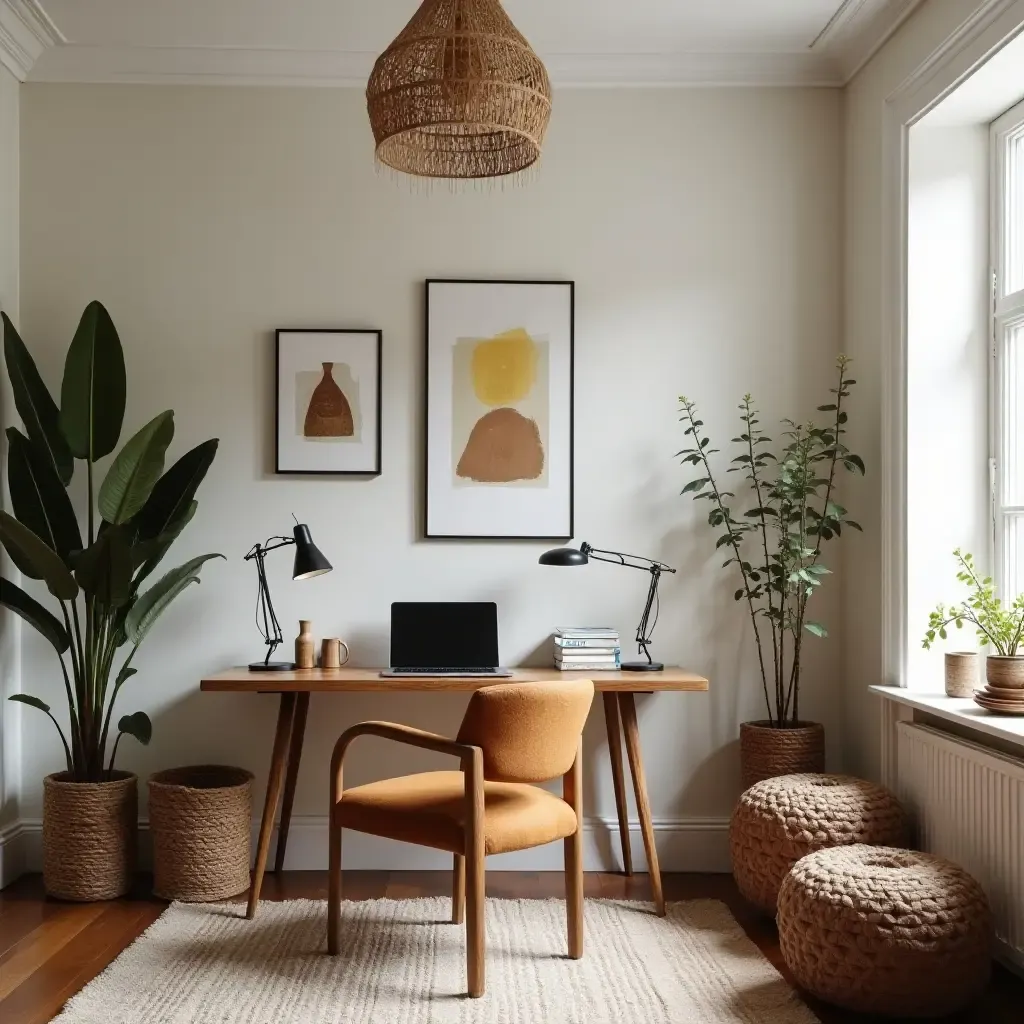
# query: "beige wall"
[920,36]
[702,228]
[10,714]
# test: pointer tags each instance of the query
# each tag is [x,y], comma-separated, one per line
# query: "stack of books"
[586,649]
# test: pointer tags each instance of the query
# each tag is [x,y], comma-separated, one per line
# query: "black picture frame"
[377,429]
[427,534]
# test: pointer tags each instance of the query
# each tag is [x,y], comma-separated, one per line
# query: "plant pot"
[199,818]
[1005,672]
[89,836]
[961,673]
[766,752]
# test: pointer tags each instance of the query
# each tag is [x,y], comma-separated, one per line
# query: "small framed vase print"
[499,408]
[329,402]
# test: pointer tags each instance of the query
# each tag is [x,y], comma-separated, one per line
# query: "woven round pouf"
[886,931]
[780,820]
[89,836]
[200,821]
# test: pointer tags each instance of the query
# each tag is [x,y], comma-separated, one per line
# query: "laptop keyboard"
[438,671]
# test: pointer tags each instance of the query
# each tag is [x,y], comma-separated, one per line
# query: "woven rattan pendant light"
[459,94]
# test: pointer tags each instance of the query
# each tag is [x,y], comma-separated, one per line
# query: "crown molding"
[283,67]
[26,31]
[859,29]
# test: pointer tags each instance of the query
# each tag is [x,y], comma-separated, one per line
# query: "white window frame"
[1007,316]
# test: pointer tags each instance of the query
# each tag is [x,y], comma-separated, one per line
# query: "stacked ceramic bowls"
[1004,689]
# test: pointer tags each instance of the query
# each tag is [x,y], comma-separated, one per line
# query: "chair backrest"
[529,732]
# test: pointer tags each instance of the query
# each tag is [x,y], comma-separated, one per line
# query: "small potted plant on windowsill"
[96,576]
[998,626]
[777,546]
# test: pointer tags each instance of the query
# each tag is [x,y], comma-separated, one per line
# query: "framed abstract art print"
[499,409]
[328,402]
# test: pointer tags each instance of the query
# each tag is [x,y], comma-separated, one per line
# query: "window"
[1008,348]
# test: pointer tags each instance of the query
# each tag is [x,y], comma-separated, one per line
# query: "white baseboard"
[684,844]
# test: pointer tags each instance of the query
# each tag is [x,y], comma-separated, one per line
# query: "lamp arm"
[646,627]
[620,558]
[266,617]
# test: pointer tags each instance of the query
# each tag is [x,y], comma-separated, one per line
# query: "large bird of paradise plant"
[97,577]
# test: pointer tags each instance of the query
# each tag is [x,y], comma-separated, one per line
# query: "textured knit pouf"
[885,931]
[780,820]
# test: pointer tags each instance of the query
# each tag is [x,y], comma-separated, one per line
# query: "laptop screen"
[434,634]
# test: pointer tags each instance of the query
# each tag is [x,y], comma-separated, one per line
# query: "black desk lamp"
[309,562]
[572,556]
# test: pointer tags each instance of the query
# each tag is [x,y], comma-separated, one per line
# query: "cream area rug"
[402,963]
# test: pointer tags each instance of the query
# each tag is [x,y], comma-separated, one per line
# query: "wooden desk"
[617,690]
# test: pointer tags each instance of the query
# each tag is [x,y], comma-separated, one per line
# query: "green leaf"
[151,605]
[137,725]
[42,561]
[172,496]
[32,702]
[124,675]
[134,473]
[695,485]
[38,496]
[856,526]
[14,598]
[857,462]
[104,569]
[92,396]
[34,404]
[816,628]
[153,551]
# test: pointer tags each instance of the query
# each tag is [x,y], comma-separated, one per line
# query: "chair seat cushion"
[429,809]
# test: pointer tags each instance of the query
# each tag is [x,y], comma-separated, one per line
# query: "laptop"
[436,638]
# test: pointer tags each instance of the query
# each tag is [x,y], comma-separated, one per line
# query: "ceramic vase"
[305,645]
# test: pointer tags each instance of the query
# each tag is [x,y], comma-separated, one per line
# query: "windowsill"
[963,711]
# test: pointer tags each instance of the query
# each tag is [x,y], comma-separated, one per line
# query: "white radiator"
[968,805]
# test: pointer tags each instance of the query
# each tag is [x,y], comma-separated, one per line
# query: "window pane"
[1012,416]
[1014,213]
[1013,558]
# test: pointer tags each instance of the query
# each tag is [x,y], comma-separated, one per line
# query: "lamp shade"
[309,559]
[564,556]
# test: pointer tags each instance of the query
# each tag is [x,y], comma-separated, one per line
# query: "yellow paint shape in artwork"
[504,368]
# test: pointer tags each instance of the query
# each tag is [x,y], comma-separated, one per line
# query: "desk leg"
[613,722]
[277,767]
[294,756]
[627,705]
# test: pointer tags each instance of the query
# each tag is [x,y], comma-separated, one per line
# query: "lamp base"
[273,666]
[642,666]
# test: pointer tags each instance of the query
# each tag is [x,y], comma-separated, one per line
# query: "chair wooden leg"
[474,831]
[572,789]
[334,891]
[459,889]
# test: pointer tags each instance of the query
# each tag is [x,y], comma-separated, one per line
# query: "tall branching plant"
[97,577]
[777,543]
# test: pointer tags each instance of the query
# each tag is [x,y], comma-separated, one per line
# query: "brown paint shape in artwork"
[329,413]
[503,447]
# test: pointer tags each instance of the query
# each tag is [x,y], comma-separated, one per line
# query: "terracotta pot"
[89,836]
[766,752]
[961,673]
[1005,672]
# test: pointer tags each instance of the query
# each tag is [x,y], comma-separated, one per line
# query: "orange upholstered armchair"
[512,736]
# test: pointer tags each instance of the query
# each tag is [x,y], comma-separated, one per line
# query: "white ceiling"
[335,41]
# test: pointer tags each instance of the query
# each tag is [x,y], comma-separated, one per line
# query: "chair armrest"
[407,735]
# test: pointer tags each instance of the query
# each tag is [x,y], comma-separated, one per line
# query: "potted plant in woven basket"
[777,547]
[100,579]
[999,627]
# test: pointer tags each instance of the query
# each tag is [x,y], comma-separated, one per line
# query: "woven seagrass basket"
[89,836]
[199,818]
[766,752]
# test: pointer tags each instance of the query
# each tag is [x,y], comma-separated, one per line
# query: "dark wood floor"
[49,950]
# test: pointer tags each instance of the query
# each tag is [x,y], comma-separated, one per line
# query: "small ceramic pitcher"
[330,653]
